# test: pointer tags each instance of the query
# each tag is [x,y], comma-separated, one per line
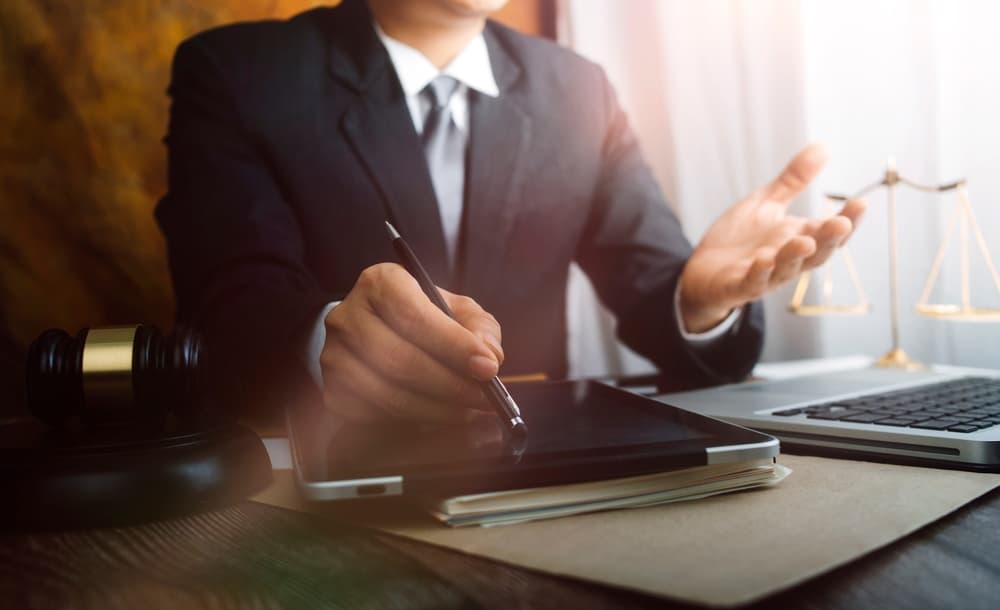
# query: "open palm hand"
[756,246]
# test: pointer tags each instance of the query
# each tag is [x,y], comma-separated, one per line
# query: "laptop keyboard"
[963,405]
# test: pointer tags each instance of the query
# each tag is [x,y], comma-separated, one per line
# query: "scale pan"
[959,312]
[830,310]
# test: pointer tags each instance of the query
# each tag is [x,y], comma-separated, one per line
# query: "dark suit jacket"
[290,143]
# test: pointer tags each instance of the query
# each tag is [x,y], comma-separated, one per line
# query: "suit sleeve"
[634,250]
[234,242]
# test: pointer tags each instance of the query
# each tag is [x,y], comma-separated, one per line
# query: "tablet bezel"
[725,443]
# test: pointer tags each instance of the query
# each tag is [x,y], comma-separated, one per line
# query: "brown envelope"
[722,551]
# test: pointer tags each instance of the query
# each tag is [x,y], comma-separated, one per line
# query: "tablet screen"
[570,425]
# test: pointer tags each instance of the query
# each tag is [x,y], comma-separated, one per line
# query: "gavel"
[114,374]
[126,433]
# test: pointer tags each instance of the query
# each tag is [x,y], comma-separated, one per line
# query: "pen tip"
[393,233]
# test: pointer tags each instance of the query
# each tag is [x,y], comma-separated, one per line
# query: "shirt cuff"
[314,345]
[710,336]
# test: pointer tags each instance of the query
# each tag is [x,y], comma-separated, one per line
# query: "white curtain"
[723,92]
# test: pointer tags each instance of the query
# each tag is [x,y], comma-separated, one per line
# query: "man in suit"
[500,157]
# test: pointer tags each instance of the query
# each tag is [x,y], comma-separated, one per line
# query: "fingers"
[789,259]
[758,276]
[360,393]
[799,172]
[804,251]
[834,232]
[395,297]
[400,363]
[481,323]
[770,269]
[853,210]
[828,237]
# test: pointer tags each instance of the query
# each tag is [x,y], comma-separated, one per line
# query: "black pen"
[494,389]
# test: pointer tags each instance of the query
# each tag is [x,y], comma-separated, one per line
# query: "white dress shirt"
[471,68]
[473,71]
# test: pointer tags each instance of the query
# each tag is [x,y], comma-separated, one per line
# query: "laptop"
[930,418]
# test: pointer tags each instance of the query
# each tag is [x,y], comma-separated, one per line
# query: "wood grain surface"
[256,556]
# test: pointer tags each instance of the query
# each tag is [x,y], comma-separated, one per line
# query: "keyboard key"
[900,403]
[963,428]
[892,421]
[834,413]
[787,412]
[977,412]
[935,413]
[884,413]
[946,409]
[863,418]
[980,423]
[934,424]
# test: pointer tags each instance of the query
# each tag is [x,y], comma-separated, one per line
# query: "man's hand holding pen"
[391,353]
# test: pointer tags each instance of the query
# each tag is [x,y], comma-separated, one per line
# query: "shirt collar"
[470,67]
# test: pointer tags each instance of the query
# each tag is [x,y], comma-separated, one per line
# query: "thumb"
[799,172]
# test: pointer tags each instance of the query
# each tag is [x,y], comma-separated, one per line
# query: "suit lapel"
[500,132]
[388,146]
[380,131]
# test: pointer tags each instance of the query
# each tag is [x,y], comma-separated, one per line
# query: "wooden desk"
[256,556]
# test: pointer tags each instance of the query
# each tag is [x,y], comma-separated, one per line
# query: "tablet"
[577,431]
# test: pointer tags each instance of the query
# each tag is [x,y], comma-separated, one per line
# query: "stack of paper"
[521,505]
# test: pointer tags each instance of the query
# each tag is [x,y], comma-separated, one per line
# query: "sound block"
[81,476]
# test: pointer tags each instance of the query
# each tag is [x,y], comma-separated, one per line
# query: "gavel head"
[113,374]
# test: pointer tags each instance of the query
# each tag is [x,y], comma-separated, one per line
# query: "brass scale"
[963,218]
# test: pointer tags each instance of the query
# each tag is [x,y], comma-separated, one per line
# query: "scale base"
[896,358]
